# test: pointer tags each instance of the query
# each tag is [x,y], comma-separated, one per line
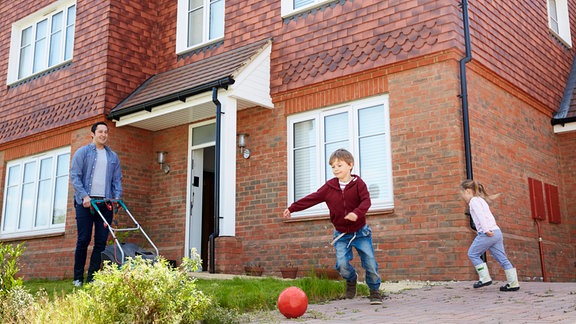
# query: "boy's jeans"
[85,221]
[362,241]
[495,244]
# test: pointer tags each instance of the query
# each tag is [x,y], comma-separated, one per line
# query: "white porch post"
[228,156]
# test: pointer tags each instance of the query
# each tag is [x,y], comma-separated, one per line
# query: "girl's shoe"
[512,278]
[508,288]
[479,284]
[484,275]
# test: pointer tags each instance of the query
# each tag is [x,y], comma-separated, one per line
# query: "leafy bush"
[14,299]
[9,256]
[140,291]
[14,305]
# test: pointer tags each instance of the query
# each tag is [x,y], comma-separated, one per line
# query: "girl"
[489,236]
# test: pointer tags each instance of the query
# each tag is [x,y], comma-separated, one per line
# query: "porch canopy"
[182,95]
[239,78]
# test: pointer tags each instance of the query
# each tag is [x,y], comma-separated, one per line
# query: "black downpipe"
[216,232]
[464,91]
[464,96]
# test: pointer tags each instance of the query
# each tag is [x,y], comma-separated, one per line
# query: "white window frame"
[289,10]
[31,23]
[385,202]
[559,20]
[33,229]
[182,26]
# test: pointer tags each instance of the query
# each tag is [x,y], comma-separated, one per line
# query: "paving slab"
[452,302]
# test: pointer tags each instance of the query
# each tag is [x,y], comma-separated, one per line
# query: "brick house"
[395,82]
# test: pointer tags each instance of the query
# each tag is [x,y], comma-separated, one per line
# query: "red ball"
[292,302]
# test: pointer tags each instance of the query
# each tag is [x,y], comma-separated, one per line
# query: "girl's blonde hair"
[478,190]
[342,155]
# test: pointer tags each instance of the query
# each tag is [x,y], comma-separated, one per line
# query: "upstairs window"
[290,7]
[361,127]
[558,20]
[199,22]
[42,41]
[36,195]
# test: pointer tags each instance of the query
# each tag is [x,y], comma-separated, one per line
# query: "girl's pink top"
[482,216]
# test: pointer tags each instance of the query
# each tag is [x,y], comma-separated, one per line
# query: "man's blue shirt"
[82,171]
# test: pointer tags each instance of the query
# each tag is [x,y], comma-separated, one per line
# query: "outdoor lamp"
[162,161]
[242,145]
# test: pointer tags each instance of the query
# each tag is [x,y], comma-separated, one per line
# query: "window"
[42,41]
[290,7]
[362,127]
[36,194]
[199,22]
[558,20]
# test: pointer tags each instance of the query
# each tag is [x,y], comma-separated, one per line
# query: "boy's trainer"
[375,297]
[351,288]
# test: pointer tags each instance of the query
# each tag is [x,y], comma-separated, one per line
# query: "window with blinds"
[361,127]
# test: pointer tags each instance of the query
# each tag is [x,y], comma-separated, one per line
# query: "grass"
[52,287]
[239,294]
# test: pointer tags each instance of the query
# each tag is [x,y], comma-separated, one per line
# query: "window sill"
[187,52]
[40,74]
[310,9]
[31,235]
[323,216]
[566,43]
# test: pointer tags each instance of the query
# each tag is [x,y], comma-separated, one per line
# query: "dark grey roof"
[567,111]
[188,80]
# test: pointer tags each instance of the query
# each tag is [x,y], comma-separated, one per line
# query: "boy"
[348,200]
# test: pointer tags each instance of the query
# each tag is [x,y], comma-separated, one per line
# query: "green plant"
[15,304]
[9,255]
[14,299]
[140,291]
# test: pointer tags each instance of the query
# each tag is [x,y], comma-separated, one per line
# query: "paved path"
[452,302]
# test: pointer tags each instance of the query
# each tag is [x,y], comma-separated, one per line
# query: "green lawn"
[241,294]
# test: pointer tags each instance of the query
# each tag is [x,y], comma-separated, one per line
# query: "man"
[95,174]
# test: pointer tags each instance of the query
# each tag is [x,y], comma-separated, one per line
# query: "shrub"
[15,304]
[9,256]
[140,291]
[14,299]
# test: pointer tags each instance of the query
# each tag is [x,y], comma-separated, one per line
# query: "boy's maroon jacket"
[355,198]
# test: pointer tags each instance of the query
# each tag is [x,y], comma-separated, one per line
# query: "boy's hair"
[478,189]
[342,155]
[93,128]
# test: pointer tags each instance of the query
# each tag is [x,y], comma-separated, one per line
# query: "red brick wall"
[498,44]
[427,235]
[513,140]
[567,188]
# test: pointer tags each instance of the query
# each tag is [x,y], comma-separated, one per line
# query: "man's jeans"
[85,221]
[362,241]
[495,244]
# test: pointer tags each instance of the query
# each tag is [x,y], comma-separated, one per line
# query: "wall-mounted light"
[162,161]
[242,145]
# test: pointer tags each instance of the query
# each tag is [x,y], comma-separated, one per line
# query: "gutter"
[178,96]
[464,95]
[464,91]
[216,232]
[563,121]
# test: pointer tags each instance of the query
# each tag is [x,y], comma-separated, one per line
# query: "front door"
[201,215]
